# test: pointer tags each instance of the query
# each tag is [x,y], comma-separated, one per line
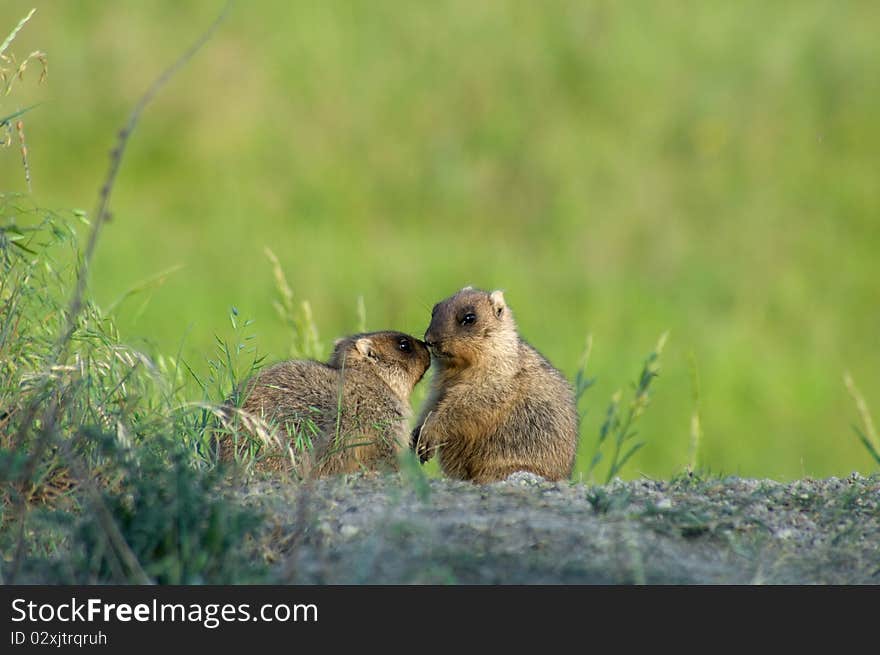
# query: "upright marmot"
[349,414]
[496,405]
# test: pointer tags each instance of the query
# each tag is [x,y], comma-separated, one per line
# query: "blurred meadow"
[620,169]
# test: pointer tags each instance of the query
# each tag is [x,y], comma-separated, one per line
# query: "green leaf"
[9,39]
[6,119]
[864,439]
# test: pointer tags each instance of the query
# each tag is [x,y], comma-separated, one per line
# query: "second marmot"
[496,405]
[353,411]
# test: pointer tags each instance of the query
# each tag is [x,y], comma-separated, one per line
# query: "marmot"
[354,410]
[496,404]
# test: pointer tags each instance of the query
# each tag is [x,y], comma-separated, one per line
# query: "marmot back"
[354,410]
[496,405]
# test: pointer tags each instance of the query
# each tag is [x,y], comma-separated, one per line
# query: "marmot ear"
[496,298]
[365,347]
[338,342]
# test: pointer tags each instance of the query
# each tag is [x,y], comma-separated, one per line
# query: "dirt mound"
[388,530]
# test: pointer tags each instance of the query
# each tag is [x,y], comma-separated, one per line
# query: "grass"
[102,465]
[631,176]
[867,434]
[101,478]
[696,423]
[12,71]
[159,512]
[618,428]
[627,209]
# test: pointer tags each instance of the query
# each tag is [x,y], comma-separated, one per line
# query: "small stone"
[524,478]
[348,531]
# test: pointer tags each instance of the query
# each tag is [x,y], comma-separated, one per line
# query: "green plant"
[620,427]
[98,482]
[413,474]
[225,381]
[304,340]
[581,381]
[604,500]
[12,70]
[224,386]
[116,477]
[696,427]
[180,525]
[867,433]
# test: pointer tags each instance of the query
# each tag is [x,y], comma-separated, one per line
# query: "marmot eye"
[469,319]
[404,345]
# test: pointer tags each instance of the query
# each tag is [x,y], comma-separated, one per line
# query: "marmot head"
[397,358]
[470,326]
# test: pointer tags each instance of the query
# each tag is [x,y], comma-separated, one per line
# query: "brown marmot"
[496,404]
[354,410]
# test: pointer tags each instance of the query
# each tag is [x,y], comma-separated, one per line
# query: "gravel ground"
[395,530]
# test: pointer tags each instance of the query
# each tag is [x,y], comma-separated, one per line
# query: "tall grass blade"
[9,39]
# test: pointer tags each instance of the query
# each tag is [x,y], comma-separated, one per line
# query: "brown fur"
[355,408]
[496,404]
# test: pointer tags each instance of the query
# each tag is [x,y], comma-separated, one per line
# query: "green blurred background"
[618,168]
